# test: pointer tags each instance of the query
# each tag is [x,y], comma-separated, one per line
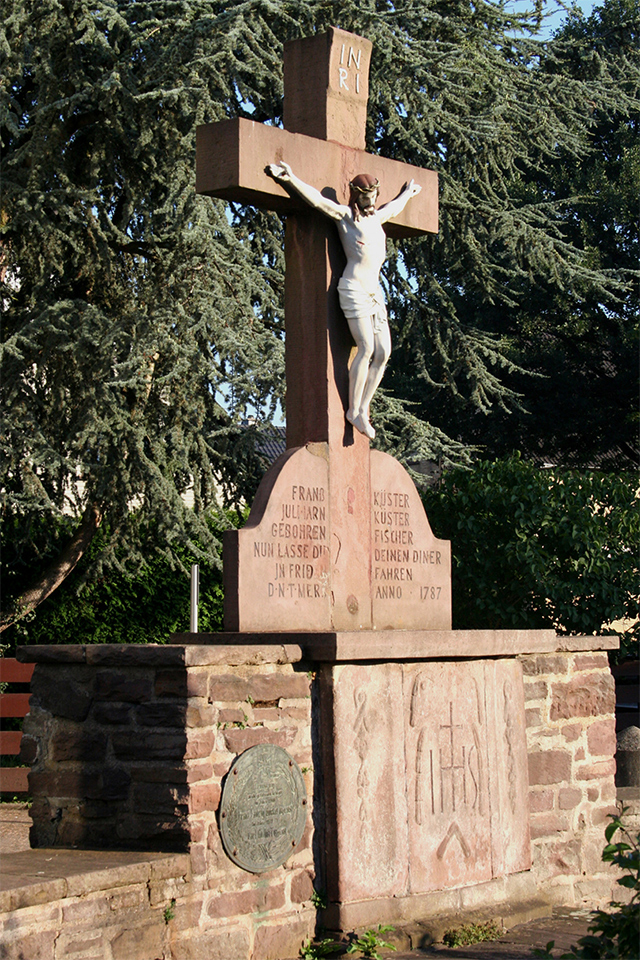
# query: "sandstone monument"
[338,736]
[337,537]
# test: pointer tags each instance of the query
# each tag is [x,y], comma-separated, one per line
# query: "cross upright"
[326,86]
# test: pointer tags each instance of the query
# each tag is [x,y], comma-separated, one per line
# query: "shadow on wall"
[107,749]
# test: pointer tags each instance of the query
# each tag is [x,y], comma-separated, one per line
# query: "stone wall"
[570,716]
[77,905]
[129,748]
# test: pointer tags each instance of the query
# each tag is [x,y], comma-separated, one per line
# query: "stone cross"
[337,538]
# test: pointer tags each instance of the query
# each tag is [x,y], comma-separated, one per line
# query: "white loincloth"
[355,302]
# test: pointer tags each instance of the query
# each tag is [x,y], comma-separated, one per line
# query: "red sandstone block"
[161,714]
[230,943]
[302,887]
[181,683]
[297,713]
[591,661]
[95,910]
[569,797]
[547,824]
[28,750]
[187,914]
[260,714]
[571,732]
[256,900]
[130,745]
[596,771]
[587,695]
[560,858]
[549,766]
[159,772]
[111,713]
[197,853]
[139,941]
[199,744]
[196,830]
[238,740]
[535,691]
[533,718]
[592,794]
[203,715]
[603,814]
[199,771]
[228,688]
[112,685]
[231,715]
[543,664]
[608,791]
[222,768]
[81,945]
[601,738]
[76,742]
[166,798]
[277,686]
[59,783]
[34,946]
[540,800]
[204,797]
[273,942]
[579,754]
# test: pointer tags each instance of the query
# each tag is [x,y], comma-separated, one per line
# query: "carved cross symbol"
[326,84]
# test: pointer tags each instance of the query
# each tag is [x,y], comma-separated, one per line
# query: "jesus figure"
[361,297]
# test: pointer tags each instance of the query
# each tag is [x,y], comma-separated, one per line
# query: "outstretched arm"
[283,172]
[390,210]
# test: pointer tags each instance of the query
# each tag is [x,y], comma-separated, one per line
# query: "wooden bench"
[13,779]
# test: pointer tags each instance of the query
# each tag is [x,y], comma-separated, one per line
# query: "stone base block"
[508,900]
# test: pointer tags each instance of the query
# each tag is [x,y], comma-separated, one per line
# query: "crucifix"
[337,538]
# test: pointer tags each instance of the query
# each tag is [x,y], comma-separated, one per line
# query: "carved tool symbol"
[453,831]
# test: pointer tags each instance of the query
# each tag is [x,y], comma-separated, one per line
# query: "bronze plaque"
[263,808]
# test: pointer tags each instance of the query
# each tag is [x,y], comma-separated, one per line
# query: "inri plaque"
[263,808]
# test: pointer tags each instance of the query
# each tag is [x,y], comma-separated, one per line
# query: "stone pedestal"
[460,770]
[428,788]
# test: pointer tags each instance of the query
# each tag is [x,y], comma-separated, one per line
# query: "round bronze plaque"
[263,808]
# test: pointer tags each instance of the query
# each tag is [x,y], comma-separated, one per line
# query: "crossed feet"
[361,423]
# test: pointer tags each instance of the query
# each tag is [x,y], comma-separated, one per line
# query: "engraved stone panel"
[370,791]
[277,567]
[508,767]
[263,808]
[410,568]
[327,549]
[447,775]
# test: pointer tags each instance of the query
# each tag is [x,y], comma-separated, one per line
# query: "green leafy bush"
[535,548]
[118,607]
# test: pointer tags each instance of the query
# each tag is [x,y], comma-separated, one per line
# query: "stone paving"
[565,928]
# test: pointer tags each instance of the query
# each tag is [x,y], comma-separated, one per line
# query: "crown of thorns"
[357,188]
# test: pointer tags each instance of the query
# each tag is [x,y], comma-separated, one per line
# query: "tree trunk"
[57,571]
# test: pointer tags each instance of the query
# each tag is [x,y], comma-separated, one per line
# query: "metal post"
[195,596]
